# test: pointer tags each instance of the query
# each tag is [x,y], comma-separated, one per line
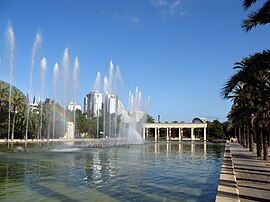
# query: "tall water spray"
[97,89]
[65,61]
[110,93]
[105,92]
[110,81]
[43,67]
[55,78]
[36,45]
[11,40]
[75,87]
[118,83]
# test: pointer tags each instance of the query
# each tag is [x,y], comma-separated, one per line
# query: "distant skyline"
[178,52]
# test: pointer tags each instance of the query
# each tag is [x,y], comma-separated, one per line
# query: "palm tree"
[18,101]
[258,17]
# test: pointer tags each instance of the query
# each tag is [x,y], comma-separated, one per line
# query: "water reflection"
[192,147]
[151,172]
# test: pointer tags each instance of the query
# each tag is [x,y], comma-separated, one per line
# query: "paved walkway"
[252,176]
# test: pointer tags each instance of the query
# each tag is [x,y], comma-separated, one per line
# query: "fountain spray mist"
[36,45]
[75,87]
[65,74]
[43,67]
[137,116]
[11,40]
[55,78]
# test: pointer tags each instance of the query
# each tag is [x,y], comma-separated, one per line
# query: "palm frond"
[259,17]
[248,3]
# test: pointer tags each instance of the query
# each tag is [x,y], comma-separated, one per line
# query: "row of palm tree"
[18,116]
[249,90]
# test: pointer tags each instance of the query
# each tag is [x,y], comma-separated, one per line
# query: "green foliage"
[150,119]
[217,129]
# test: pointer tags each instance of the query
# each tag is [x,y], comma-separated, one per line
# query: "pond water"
[149,172]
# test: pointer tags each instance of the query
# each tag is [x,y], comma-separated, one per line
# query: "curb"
[227,188]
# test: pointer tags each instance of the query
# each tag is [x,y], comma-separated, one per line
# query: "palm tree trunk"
[265,144]
[239,136]
[13,125]
[268,135]
[244,135]
[251,137]
[247,134]
[259,143]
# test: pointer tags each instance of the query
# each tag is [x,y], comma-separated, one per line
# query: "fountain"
[113,127]
[127,127]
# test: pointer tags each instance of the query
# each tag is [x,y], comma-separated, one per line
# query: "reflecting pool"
[149,172]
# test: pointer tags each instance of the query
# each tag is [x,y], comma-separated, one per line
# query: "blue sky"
[178,52]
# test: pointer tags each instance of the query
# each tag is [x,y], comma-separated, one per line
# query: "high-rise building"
[73,106]
[111,103]
[93,103]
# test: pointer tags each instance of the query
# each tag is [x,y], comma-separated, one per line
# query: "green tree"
[217,130]
[82,124]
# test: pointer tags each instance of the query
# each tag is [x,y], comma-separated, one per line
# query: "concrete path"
[252,176]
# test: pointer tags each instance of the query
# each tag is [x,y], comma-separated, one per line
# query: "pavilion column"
[155,134]
[170,134]
[144,129]
[158,132]
[192,134]
[147,134]
[204,134]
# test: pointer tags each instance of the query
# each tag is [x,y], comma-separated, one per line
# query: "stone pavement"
[252,176]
